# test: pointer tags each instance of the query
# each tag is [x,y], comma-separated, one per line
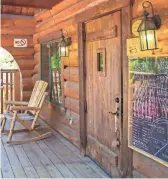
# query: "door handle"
[117,113]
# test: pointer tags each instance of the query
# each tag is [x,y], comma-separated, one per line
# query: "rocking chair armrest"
[17,103]
[18,108]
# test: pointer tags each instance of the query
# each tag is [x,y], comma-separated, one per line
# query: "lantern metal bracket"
[155,18]
[68,40]
[157,21]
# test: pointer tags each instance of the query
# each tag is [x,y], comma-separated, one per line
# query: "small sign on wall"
[20,43]
[133,48]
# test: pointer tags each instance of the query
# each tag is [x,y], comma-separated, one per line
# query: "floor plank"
[31,172]
[40,169]
[7,171]
[70,157]
[87,160]
[26,164]
[14,161]
[22,156]
[54,157]
[55,160]
[53,171]
[65,157]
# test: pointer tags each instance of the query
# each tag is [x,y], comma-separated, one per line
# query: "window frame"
[103,51]
[50,70]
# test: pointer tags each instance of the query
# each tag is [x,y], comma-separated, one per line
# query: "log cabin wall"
[18,22]
[143,165]
[66,16]
[62,17]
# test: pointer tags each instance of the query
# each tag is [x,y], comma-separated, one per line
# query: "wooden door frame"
[126,161]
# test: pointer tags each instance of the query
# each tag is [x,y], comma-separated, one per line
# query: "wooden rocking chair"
[31,111]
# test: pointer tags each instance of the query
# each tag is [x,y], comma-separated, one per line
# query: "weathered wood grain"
[41,5]
[56,161]
[15,163]
[82,97]
[20,51]
[101,92]
[98,8]
[9,20]
[55,10]
[126,154]
[49,158]
[40,169]
[8,40]
[7,171]
[85,159]
[10,30]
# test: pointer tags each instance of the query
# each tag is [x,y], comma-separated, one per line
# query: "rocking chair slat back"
[37,96]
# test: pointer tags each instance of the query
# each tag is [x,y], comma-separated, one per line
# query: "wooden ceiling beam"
[41,4]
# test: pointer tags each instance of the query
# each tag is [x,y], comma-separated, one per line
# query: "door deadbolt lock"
[117,100]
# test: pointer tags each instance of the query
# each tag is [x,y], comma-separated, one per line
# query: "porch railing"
[10,88]
[56,86]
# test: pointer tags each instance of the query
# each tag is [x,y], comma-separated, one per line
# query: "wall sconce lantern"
[147,28]
[64,45]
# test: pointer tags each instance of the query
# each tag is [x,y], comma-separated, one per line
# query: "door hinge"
[85,106]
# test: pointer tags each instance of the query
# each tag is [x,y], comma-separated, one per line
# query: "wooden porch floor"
[54,157]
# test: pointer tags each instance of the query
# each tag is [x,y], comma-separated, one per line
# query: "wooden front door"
[103,91]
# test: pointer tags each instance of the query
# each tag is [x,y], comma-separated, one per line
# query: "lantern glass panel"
[62,51]
[143,40]
[148,40]
[151,39]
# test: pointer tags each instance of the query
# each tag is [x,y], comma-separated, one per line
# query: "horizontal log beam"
[62,25]
[27,84]
[73,78]
[71,89]
[17,30]
[72,60]
[23,57]
[51,36]
[37,48]
[26,65]
[72,104]
[27,73]
[97,8]
[8,20]
[61,127]
[35,78]
[71,74]
[44,15]
[8,40]
[60,17]
[20,51]
[37,58]
[37,68]
[41,4]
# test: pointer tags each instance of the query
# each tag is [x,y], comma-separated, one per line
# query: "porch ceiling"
[42,4]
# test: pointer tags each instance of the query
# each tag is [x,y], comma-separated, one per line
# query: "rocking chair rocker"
[31,113]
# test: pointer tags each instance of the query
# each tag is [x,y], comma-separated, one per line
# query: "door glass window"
[101,61]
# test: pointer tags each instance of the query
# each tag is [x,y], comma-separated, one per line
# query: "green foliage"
[149,65]
[56,61]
